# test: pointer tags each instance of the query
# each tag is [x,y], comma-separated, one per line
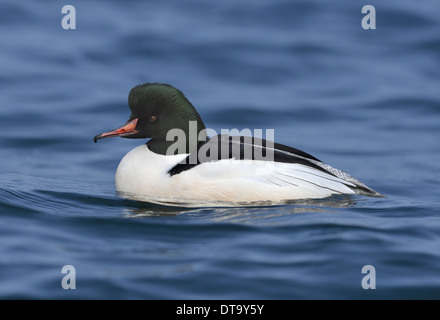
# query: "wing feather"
[288,166]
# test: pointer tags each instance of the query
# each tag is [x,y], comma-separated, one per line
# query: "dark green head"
[156,109]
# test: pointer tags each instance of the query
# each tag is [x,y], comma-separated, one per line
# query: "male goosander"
[221,170]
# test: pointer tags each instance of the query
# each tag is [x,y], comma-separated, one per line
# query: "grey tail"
[355,184]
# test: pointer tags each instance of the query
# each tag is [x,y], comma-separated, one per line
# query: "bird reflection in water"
[243,213]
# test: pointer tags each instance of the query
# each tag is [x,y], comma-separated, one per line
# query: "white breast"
[145,173]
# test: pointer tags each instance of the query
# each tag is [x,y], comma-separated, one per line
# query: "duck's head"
[156,109]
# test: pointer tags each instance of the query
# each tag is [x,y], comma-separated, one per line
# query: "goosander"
[222,170]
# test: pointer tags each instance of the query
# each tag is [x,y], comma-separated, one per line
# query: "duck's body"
[201,176]
[145,175]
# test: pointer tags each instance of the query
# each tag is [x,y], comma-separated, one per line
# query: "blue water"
[364,101]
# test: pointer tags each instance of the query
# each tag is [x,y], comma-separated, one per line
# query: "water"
[367,102]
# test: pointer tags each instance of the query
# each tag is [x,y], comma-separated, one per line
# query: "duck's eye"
[152,118]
